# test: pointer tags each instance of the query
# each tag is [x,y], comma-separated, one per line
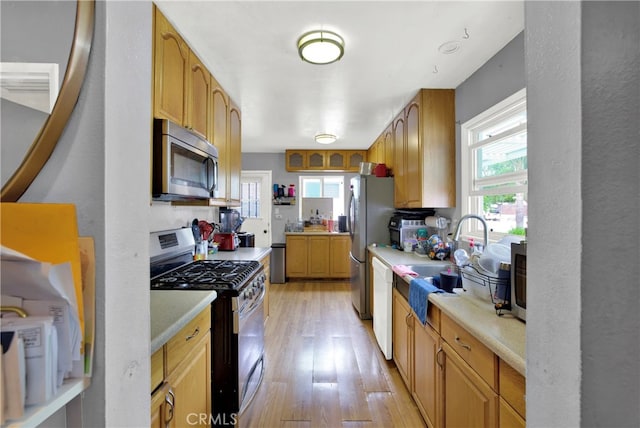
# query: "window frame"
[470,201]
[322,178]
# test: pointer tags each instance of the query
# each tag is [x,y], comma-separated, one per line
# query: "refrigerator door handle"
[351,215]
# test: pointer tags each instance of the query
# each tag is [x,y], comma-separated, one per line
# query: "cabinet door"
[509,418]
[426,343]
[337,160]
[296,160]
[162,407]
[413,165]
[318,257]
[191,384]
[197,109]
[372,152]
[354,158]
[399,171]
[219,135]
[468,400]
[235,154]
[296,256]
[402,326]
[171,57]
[339,255]
[316,159]
[389,147]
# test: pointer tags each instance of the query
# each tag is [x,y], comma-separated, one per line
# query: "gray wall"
[583,100]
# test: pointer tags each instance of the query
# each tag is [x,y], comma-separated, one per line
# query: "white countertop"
[504,335]
[242,253]
[173,309]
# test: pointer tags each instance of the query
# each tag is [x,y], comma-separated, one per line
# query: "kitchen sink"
[431,269]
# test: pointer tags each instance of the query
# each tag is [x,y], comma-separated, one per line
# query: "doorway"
[256,205]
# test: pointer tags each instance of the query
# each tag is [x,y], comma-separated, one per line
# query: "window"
[494,168]
[250,200]
[324,187]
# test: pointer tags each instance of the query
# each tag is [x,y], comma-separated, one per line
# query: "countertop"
[173,309]
[242,253]
[317,233]
[504,335]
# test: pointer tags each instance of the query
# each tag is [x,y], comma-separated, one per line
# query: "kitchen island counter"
[173,309]
[504,335]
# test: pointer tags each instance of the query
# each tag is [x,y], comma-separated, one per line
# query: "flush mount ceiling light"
[326,138]
[320,47]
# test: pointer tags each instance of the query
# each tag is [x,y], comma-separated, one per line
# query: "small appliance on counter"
[404,226]
[246,239]
[227,241]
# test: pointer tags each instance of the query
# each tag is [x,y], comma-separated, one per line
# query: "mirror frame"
[46,140]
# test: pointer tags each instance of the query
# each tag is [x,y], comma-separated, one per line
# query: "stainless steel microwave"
[184,166]
[519,280]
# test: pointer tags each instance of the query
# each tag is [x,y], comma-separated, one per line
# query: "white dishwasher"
[382,295]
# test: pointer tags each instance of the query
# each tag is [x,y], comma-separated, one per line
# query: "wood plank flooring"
[324,367]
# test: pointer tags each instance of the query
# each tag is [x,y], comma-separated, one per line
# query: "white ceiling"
[391,51]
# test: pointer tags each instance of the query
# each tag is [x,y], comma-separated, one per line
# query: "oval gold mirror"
[47,138]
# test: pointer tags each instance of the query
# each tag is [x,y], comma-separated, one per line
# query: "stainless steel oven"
[237,315]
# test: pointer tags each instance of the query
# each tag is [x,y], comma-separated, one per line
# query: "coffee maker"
[230,222]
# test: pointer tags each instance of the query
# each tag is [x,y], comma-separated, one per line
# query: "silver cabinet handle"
[170,400]
[461,343]
[438,353]
[194,334]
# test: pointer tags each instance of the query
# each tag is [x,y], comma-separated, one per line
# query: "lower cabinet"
[183,397]
[318,256]
[454,379]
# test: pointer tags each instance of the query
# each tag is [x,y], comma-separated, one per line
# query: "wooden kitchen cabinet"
[219,135]
[400,180]
[185,389]
[235,155]
[197,86]
[512,397]
[402,337]
[170,59]
[426,372]
[339,248]
[324,160]
[318,256]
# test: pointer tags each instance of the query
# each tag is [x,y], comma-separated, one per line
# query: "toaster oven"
[519,280]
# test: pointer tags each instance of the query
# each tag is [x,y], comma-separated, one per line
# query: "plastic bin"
[278,257]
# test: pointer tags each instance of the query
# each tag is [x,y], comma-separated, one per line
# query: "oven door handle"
[246,313]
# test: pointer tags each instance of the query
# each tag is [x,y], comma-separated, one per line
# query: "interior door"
[256,205]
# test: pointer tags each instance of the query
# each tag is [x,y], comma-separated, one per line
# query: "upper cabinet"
[198,82]
[325,160]
[186,93]
[420,151]
[171,58]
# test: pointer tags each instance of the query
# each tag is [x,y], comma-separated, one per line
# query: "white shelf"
[35,415]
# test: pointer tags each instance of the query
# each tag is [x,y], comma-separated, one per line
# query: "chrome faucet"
[456,234]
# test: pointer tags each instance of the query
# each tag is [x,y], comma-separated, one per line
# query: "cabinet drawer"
[187,339]
[472,351]
[157,368]
[512,388]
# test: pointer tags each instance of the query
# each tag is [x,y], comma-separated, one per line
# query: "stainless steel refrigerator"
[370,208]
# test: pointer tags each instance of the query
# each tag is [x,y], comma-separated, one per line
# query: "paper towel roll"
[431,221]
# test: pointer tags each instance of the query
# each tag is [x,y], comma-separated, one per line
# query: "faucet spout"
[456,234]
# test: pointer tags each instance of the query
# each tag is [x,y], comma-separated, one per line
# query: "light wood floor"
[323,365]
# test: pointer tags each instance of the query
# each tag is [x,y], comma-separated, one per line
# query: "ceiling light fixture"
[320,47]
[326,138]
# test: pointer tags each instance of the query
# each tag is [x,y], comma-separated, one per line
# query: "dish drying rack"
[473,274]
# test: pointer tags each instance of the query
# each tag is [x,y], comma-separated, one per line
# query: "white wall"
[583,90]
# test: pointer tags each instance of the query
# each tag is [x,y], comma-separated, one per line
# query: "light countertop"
[242,253]
[173,309]
[317,233]
[504,335]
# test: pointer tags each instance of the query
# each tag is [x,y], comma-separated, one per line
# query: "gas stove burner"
[207,275]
